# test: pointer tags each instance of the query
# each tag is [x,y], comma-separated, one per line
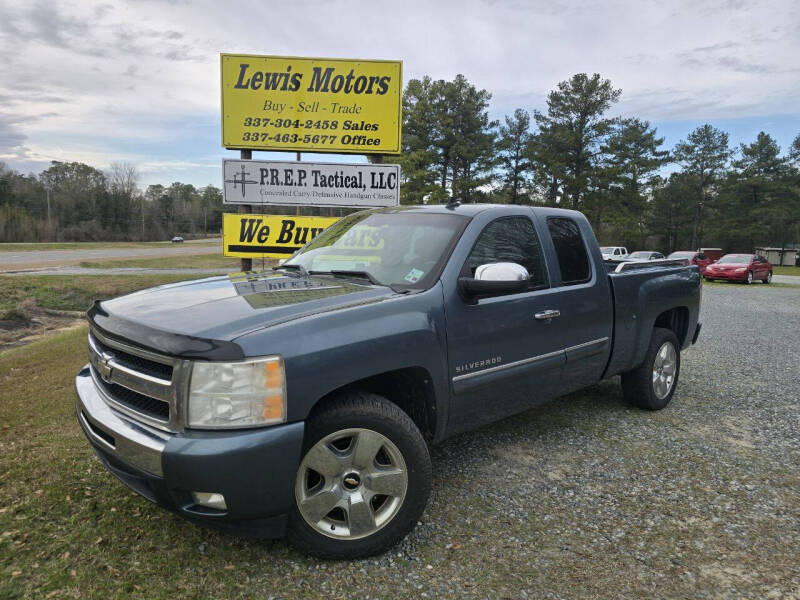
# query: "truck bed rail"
[666,262]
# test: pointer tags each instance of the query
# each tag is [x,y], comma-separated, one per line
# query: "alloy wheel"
[351,483]
[664,366]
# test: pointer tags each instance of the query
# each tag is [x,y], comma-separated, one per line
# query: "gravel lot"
[587,497]
[582,498]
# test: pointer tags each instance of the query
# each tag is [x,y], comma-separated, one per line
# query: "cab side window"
[510,239]
[570,250]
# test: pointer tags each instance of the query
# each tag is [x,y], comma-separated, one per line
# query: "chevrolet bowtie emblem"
[104,368]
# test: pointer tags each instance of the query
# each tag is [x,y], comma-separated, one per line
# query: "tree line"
[572,154]
[72,201]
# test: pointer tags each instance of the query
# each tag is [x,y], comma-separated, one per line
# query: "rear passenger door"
[582,295]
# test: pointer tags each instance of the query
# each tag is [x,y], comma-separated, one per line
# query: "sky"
[138,81]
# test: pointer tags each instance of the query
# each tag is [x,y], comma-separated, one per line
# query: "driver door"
[503,355]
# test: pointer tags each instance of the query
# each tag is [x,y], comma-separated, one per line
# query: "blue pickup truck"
[303,400]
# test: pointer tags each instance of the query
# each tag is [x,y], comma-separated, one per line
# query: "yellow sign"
[311,104]
[269,236]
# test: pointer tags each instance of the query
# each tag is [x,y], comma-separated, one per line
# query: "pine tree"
[704,155]
[572,132]
[513,147]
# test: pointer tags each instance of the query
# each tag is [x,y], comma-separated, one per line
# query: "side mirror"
[494,279]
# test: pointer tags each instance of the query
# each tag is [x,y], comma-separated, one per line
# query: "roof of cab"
[466,210]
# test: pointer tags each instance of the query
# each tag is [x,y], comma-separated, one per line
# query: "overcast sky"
[138,81]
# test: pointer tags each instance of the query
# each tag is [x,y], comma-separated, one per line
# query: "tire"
[639,387]
[749,279]
[362,445]
[768,278]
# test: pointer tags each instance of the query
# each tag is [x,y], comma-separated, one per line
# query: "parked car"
[613,252]
[713,254]
[177,240]
[695,258]
[303,400]
[740,267]
[643,255]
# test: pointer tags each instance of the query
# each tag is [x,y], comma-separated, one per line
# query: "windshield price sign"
[310,184]
[269,236]
[311,104]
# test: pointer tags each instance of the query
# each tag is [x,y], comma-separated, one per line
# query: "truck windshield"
[735,259]
[391,248]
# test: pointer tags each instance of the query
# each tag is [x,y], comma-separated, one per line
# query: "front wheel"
[363,481]
[652,385]
[749,277]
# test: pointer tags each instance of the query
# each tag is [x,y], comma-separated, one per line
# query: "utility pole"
[49,221]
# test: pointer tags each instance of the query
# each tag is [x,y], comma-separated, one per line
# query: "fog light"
[210,499]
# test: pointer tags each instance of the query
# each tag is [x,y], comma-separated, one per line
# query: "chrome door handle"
[547,314]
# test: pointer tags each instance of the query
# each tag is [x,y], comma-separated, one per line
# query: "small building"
[786,257]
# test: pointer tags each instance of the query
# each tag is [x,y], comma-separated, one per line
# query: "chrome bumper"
[132,442]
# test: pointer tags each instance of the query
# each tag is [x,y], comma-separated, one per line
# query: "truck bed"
[644,296]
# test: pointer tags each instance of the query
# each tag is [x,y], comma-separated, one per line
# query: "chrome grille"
[137,382]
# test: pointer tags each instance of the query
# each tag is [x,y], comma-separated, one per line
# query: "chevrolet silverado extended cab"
[303,400]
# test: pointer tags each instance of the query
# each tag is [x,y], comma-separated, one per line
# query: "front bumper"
[254,469]
[726,276]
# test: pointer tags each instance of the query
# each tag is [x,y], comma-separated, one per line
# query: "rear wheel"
[363,481]
[768,278]
[652,385]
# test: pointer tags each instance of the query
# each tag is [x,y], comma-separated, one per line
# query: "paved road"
[12,261]
[69,270]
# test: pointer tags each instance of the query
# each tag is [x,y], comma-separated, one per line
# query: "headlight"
[742,270]
[240,394]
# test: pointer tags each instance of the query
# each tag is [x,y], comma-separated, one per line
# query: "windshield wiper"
[299,268]
[361,275]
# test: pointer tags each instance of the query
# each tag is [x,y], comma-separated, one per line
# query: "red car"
[694,258]
[740,267]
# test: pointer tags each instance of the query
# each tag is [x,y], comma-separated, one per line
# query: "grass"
[71,292]
[29,247]
[69,529]
[199,261]
[755,284]
[786,271]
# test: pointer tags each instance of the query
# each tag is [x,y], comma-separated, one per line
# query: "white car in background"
[645,255]
[614,252]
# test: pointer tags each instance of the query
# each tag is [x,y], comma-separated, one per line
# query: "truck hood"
[194,314]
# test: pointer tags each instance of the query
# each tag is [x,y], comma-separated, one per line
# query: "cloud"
[11,138]
[139,81]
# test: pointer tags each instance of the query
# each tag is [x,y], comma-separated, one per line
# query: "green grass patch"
[786,271]
[70,529]
[198,261]
[73,292]
[755,284]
